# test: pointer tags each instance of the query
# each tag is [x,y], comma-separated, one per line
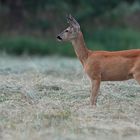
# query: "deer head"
[71,32]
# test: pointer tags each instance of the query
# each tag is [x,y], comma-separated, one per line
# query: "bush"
[19,45]
[105,39]
[114,39]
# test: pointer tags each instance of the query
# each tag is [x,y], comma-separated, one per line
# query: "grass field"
[47,98]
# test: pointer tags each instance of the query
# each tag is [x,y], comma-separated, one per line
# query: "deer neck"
[80,48]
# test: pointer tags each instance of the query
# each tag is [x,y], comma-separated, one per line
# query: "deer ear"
[72,22]
[68,19]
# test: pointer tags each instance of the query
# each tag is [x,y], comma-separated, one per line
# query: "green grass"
[100,39]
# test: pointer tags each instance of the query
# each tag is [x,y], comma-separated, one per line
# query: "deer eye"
[67,30]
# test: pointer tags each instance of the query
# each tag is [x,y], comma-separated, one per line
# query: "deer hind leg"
[94,91]
[136,72]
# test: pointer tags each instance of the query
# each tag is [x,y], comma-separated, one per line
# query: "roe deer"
[101,65]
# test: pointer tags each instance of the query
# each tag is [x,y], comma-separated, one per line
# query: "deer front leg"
[94,91]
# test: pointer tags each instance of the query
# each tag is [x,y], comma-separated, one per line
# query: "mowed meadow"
[48,98]
[44,92]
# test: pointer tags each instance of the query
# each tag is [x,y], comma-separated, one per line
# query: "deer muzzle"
[59,38]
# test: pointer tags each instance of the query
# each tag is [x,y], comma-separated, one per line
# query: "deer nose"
[59,38]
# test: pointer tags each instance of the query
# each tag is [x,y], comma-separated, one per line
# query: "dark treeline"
[41,14]
[30,26]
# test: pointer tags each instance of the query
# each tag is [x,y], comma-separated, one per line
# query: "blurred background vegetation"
[30,26]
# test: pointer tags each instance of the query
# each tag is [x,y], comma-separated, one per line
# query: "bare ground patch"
[48,98]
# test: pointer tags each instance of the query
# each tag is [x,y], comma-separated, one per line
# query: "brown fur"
[107,66]
[104,65]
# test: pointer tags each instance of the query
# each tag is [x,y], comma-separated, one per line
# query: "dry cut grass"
[48,98]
